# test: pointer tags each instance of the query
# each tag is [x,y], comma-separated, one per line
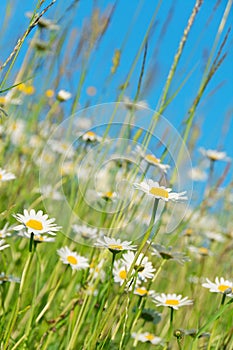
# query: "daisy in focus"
[153,189]
[171,300]
[219,286]
[5,176]
[143,292]
[36,223]
[142,265]
[147,337]
[114,245]
[77,262]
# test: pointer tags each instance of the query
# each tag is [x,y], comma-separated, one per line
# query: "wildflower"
[107,196]
[172,300]
[96,270]
[63,95]
[213,236]
[4,176]
[26,89]
[214,155]
[143,292]
[16,130]
[2,246]
[152,160]
[142,265]
[85,231]
[219,286]
[36,223]
[91,136]
[138,105]
[153,189]
[120,274]
[49,192]
[49,93]
[37,238]
[44,22]
[114,245]
[77,262]
[4,278]
[200,251]
[196,174]
[167,254]
[5,231]
[147,337]
[62,147]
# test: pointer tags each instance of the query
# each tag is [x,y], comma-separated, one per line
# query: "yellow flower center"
[149,336]
[161,192]
[90,133]
[172,302]
[203,251]
[34,224]
[189,232]
[141,291]
[108,194]
[151,158]
[2,100]
[0,176]
[123,274]
[72,260]
[115,247]
[223,287]
[40,238]
[49,93]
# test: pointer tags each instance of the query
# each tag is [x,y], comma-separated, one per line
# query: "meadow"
[115,218]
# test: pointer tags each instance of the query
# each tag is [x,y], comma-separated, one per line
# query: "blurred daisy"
[63,95]
[96,269]
[4,278]
[62,147]
[143,292]
[107,196]
[77,262]
[49,191]
[6,231]
[171,300]
[5,176]
[85,232]
[213,236]
[37,238]
[37,223]
[196,174]
[219,286]
[114,245]
[152,160]
[142,265]
[200,251]
[138,105]
[147,337]
[214,155]
[167,254]
[91,136]
[2,245]
[153,189]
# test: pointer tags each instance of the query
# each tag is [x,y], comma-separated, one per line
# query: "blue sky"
[131,20]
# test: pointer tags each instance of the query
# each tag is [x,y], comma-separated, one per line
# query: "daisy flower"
[4,278]
[2,246]
[144,267]
[36,223]
[153,189]
[4,176]
[37,238]
[143,292]
[96,269]
[214,155]
[63,95]
[85,231]
[114,245]
[91,136]
[77,262]
[152,160]
[171,300]
[120,274]
[107,196]
[147,337]
[219,286]
[5,231]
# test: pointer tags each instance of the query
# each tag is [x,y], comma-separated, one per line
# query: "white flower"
[143,292]
[91,137]
[77,262]
[152,160]
[153,189]
[120,274]
[4,176]
[96,270]
[172,300]
[2,246]
[147,337]
[138,105]
[62,147]
[219,286]
[37,223]
[5,231]
[108,196]
[85,231]
[49,192]
[16,130]
[143,267]
[214,155]
[200,251]
[197,174]
[63,95]
[114,245]
[37,238]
